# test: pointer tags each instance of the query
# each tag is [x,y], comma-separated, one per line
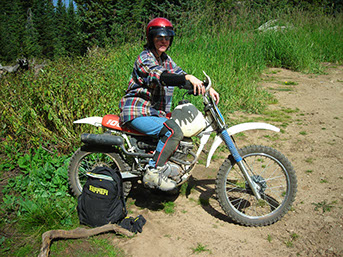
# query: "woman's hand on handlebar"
[199,88]
[198,85]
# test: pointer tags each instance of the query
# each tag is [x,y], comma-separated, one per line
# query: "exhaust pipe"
[102,139]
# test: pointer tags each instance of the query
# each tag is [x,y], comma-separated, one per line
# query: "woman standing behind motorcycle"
[149,97]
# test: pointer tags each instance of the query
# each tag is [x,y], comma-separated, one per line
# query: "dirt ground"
[312,141]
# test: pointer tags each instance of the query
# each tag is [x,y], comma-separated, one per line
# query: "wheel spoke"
[271,201]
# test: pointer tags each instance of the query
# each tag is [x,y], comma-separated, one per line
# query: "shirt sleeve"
[172,79]
[172,67]
[148,69]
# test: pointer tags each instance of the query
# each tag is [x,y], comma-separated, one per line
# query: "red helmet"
[159,27]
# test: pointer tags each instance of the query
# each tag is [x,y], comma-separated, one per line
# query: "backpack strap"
[99,176]
[106,170]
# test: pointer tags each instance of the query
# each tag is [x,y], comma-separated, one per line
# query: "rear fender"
[237,129]
[95,121]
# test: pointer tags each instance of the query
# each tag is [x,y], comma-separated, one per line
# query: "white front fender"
[236,129]
[95,121]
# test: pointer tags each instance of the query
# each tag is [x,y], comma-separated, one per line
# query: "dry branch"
[48,236]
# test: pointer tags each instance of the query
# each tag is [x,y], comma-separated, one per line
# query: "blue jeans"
[149,125]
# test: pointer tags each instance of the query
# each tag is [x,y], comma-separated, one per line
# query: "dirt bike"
[255,186]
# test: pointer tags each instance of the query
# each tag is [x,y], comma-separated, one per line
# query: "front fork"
[227,139]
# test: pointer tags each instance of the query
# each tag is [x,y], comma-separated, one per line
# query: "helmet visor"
[162,31]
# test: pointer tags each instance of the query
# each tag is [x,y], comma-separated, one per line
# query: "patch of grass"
[202,161]
[284,125]
[193,200]
[294,236]
[324,206]
[25,250]
[269,238]
[308,171]
[289,83]
[290,110]
[275,116]
[216,157]
[303,133]
[309,160]
[262,203]
[200,248]
[129,203]
[186,189]
[274,137]
[169,207]
[183,189]
[238,135]
[289,243]
[282,89]
[223,147]
[47,214]
[94,246]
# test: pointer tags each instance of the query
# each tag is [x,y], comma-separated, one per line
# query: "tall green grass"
[229,48]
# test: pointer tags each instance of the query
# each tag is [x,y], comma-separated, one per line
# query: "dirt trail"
[312,141]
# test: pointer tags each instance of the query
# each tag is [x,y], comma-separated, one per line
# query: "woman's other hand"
[215,95]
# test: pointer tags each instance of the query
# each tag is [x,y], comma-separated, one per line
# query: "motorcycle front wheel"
[83,161]
[276,180]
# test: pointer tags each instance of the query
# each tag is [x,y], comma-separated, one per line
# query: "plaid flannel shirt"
[146,96]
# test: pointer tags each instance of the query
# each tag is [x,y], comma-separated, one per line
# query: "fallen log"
[22,64]
[48,236]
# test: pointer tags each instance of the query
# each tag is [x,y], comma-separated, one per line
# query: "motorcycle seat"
[112,121]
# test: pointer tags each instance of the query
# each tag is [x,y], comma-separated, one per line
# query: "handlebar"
[207,82]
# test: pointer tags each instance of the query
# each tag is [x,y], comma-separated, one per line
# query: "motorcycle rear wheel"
[83,161]
[276,178]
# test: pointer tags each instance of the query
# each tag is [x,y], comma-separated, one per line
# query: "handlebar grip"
[188,85]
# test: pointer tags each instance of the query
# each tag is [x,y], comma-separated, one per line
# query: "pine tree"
[43,17]
[11,30]
[73,45]
[96,17]
[60,26]
[30,47]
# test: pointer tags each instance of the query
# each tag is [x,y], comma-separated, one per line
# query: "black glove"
[133,224]
[139,223]
[127,223]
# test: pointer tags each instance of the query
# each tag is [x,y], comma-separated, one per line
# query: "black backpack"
[102,199]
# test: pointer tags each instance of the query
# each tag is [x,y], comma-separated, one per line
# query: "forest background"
[87,51]
[39,29]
